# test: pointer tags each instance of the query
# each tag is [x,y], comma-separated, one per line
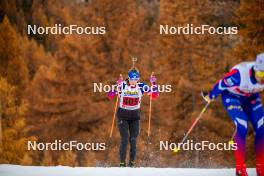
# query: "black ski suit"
[128,123]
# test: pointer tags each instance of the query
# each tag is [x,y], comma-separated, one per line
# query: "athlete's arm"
[231,79]
[151,91]
[119,87]
[111,94]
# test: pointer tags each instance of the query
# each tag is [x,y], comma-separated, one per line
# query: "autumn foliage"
[46,81]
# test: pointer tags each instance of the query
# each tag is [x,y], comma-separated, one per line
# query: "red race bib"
[129,101]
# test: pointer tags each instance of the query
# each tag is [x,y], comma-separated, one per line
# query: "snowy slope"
[15,170]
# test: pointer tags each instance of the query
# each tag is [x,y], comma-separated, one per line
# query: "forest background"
[46,80]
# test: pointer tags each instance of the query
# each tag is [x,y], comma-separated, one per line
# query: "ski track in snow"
[16,170]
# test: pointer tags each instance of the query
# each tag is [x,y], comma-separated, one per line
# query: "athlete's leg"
[256,115]
[123,127]
[134,131]
[234,109]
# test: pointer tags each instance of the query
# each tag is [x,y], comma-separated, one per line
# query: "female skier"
[240,96]
[130,92]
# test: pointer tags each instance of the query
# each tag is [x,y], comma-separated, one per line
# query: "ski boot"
[122,164]
[260,169]
[241,170]
[132,164]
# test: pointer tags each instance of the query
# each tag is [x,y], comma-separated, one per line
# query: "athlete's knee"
[124,141]
[259,131]
[260,124]
[133,140]
[134,132]
[242,126]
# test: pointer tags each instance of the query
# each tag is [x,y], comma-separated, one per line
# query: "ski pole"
[113,119]
[150,107]
[176,149]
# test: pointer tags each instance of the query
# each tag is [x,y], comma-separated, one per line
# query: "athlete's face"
[260,77]
[133,82]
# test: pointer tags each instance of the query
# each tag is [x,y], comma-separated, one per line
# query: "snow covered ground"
[15,170]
